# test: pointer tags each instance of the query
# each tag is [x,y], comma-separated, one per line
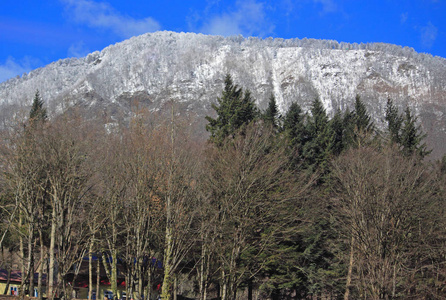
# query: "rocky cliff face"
[153,69]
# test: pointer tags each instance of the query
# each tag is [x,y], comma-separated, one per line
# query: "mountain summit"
[155,68]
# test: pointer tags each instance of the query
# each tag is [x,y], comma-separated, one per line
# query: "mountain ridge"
[189,68]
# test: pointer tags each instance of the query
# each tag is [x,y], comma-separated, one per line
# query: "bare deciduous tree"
[382,200]
[254,195]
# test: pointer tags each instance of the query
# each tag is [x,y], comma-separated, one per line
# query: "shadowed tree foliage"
[404,131]
[271,114]
[339,135]
[359,128]
[412,136]
[38,112]
[295,132]
[362,119]
[318,146]
[255,195]
[234,109]
[394,122]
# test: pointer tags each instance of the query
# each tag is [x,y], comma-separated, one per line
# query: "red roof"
[16,276]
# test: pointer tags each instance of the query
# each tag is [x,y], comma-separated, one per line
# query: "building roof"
[16,276]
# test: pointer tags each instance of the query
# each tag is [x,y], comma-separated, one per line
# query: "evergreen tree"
[234,109]
[357,125]
[337,127]
[348,122]
[362,120]
[38,112]
[319,119]
[248,110]
[293,129]
[318,147]
[394,122]
[412,136]
[270,116]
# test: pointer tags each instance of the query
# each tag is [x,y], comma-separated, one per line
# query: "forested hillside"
[155,68]
[272,206]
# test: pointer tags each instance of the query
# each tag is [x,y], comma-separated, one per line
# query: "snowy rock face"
[153,69]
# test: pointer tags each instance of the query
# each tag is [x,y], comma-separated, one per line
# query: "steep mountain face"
[153,69]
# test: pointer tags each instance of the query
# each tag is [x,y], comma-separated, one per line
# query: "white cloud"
[288,6]
[78,50]
[11,67]
[102,15]
[248,18]
[328,6]
[210,3]
[403,17]
[428,35]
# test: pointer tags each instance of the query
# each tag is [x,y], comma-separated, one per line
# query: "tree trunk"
[31,276]
[114,274]
[22,267]
[350,270]
[175,288]
[90,269]
[61,292]
[31,260]
[40,270]
[7,282]
[129,282]
[149,283]
[50,294]
[167,280]
[218,290]
[204,269]
[250,289]
[224,289]
[98,278]
[140,280]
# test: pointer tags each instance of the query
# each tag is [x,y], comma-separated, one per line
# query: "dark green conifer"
[362,120]
[412,136]
[293,125]
[337,127]
[394,122]
[38,112]
[348,122]
[293,129]
[270,116]
[317,148]
[234,109]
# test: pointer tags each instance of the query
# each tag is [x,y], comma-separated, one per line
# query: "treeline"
[299,206]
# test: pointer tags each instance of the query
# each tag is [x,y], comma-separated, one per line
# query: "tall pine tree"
[348,135]
[318,147]
[412,136]
[234,109]
[38,112]
[270,116]
[394,122]
[293,129]
[338,139]
[363,121]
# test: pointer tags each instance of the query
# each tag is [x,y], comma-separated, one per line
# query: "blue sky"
[36,33]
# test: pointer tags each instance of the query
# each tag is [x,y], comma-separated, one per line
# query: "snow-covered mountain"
[155,68]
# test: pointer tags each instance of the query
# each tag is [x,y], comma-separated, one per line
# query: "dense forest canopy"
[292,206]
